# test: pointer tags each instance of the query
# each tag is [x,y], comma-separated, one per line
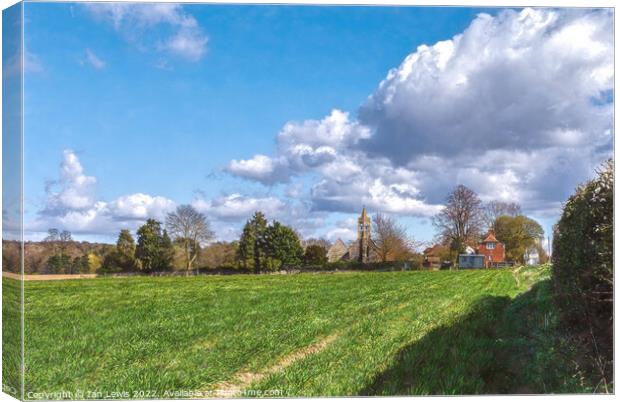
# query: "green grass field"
[383,333]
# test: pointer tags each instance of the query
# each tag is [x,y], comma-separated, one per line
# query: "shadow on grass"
[503,346]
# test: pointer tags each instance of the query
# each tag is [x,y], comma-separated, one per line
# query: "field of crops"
[383,333]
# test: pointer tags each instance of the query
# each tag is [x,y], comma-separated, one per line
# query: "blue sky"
[133,109]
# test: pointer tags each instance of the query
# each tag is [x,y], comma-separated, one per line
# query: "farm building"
[471,261]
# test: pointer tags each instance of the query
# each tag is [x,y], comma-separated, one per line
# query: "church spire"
[363,236]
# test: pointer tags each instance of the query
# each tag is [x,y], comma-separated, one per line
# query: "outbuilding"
[471,261]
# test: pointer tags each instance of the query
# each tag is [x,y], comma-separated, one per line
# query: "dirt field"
[47,277]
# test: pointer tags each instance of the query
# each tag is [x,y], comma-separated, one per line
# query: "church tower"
[363,236]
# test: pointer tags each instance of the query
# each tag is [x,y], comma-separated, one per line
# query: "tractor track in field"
[242,379]
[237,386]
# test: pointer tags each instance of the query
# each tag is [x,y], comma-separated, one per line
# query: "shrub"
[315,255]
[583,265]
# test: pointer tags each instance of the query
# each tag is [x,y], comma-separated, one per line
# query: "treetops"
[268,247]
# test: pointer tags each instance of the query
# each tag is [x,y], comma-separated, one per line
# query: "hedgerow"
[583,266]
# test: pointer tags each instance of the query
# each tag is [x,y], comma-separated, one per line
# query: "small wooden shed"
[471,261]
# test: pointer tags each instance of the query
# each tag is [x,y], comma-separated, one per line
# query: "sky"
[306,113]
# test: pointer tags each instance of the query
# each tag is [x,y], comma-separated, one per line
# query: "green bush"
[583,265]
[315,254]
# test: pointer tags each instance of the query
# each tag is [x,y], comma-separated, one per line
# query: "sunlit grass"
[193,333]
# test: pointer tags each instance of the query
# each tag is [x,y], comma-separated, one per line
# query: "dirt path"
[241,380]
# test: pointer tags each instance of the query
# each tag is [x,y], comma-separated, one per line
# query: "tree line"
[185,242]
[157,248]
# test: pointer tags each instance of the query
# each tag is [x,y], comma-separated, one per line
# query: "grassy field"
[384,333]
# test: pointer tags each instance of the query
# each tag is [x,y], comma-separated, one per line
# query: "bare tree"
[462,219]
[52,235]
[313,241]
[190,228]
[58,239]
[495,209]
[390,240]
[65,236]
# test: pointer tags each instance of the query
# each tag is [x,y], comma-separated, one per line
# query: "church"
[361,249]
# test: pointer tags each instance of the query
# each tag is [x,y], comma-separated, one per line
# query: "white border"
[479,3]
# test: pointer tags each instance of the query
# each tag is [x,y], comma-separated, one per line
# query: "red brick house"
[494,251]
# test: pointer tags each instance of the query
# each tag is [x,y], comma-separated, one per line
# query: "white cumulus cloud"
[73,190]
[72,204]
[520,80]
[261,168]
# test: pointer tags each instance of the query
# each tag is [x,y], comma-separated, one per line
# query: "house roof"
[339,242]
[490,238]
[437,248]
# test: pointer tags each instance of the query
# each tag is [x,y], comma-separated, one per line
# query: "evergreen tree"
[80,265]
[282,245]
[154,250]
[245,252]
[122,259]
[59,264]
[251,252]
[166,253]
[125,244]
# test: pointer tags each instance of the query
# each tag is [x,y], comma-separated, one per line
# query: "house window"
[490,246]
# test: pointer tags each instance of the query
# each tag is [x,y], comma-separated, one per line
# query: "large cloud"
[304,146]
[72,204]
[518,107]
[521,81]
[73,190]
[348,177]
